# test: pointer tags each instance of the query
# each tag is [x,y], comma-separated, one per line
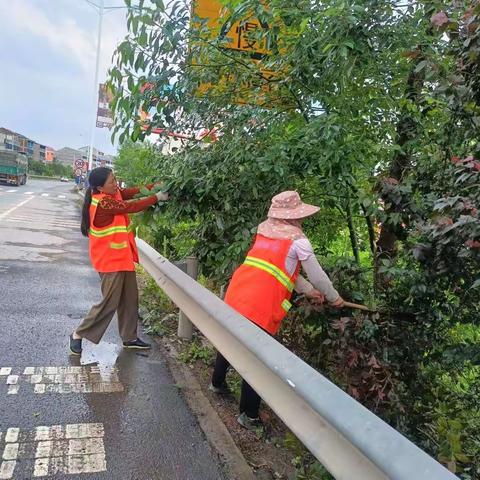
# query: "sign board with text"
[247,36]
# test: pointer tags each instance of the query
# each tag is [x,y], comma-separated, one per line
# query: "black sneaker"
[75,346]
[252,424]
[221,390]
[138,344]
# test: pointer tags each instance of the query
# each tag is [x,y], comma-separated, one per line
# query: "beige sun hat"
[289,206]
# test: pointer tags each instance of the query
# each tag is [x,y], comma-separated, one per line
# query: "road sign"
[244,35]
[79,163]
[241,35]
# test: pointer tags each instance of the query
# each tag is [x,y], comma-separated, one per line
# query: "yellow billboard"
[242,35]
[246,35]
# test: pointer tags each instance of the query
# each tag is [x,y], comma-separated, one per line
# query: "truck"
[13,168]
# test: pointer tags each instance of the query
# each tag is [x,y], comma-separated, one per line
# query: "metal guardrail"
[349,440]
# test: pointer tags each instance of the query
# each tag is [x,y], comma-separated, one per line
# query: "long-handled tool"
[357,306]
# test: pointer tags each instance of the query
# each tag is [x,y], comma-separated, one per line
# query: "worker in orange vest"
[113,254]
[260,289]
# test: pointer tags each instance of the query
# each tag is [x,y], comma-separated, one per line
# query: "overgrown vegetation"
[373,114]
[52,169]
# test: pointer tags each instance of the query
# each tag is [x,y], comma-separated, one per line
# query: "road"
[112,414]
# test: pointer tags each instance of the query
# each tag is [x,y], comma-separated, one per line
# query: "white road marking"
[11,451]
[8,212]
[60,449]
[29,193]
[62,196]
[45,194]
[13,389]
[12,191]
[6,469]
[65,380]
[12,435]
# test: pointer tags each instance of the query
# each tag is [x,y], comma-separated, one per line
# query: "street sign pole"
[94,123]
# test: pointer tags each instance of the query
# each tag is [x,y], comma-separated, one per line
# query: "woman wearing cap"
[260,289]
[113,254]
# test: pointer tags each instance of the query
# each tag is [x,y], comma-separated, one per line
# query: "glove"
[161,196]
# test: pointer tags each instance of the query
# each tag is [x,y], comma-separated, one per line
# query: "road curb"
[212,426]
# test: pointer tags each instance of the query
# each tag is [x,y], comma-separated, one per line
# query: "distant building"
[99,159]
[16,142]
[67,156]
[49,155]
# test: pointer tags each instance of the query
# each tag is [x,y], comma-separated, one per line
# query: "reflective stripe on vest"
[273,270]
[108,231]
[118,246]
[286,305]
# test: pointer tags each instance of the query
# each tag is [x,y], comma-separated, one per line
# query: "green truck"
[13,168]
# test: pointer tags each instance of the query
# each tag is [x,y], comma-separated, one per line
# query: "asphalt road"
[112,414]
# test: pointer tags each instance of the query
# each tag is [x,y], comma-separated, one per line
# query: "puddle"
[39,239]
[104,354]
[31,254]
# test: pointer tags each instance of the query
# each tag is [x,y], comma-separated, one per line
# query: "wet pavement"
[112,414]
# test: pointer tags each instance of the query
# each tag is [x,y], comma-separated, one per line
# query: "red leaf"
[373,362]
[354,392]
[472,244]
[455,159]
[476,166]
[440,19]
[352,359]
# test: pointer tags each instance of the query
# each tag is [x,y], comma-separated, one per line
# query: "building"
[16,142]
[99,159]
[67,156]
[50,155]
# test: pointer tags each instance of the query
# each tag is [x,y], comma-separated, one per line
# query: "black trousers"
[249,398]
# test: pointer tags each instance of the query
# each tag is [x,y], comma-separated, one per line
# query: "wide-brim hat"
[289,206]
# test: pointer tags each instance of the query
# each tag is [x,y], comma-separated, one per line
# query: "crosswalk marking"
[62,196]
[29,193]
[12,191]
[59,449]
[45,194]
[65,380]
[6,469]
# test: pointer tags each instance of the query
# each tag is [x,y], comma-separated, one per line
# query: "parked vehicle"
[13,168]
[64,179]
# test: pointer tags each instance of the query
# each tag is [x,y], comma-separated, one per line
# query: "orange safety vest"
[261,287]
[112,248]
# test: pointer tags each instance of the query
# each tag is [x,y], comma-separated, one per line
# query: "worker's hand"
[161,196]
[338,303]
[315,296]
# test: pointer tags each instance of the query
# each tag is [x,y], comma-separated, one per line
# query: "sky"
[47,69]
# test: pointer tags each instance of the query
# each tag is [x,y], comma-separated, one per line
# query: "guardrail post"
[185,326]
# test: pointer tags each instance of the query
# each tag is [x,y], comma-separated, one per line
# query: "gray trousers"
[120,294]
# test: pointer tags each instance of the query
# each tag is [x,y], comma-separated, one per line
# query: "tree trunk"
[353,233]
[407,130]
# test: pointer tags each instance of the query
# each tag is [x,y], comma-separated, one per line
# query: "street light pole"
[95,89]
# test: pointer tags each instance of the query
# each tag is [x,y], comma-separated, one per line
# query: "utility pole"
[95,89]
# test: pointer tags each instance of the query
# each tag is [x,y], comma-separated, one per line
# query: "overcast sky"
[47,67]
